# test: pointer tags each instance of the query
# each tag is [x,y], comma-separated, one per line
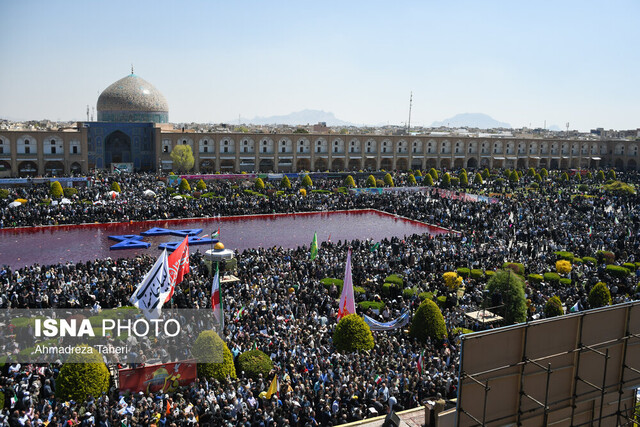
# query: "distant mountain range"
[298,118]
[472,120]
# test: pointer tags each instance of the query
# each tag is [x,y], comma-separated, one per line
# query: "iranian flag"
[378,379]
[178,265]
[215,298]
[421,363]
[347,301]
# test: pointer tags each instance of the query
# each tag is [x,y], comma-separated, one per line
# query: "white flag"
[154,288]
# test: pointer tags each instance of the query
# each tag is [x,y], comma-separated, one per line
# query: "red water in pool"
[52,245]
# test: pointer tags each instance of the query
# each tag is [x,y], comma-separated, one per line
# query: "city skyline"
[572,62]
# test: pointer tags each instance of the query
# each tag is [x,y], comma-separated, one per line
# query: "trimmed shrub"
[511,288]
[538,178]
[394,278]
[327,282]
[82,375]
[254,363]
[564,255]
[374,305]
[544,173]
[358,290]
[565,281]
[553,307]
[599,296]
[418,172]
[409,292]
[489,273]
[352,334]
[56,190]
[379,183]
[563,266]
[611,174]
[463,272]
[477,179]
[115,187]
[629,266]
[600,176]
[285,182]
[589,260]
[307,182]
[460,331]
[452,280]
[606,257]
[390,289]
[184,186]
[201,186]
[577,261]
[583,188]
[464,180]
[486,174]
[434,174]
[531,172]
[617,271]
[371,182]
[535,278]
[69,192]
[446,180]
[564,177]
[476,273]
[516,267]
[388,180]
[303,192]
[620,188]
[349,182]
[455,181]
[425,295]
[552,277]
[4,193]
[259,184]
[428,180]
[441,301]
[428,322]
[411,179]
[209,347]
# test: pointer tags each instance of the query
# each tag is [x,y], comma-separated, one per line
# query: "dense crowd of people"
[320,386]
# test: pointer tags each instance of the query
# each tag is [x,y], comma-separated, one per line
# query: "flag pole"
[221,305]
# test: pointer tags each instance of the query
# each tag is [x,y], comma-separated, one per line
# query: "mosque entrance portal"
[118,148]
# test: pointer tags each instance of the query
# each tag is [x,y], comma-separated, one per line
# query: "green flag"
[314,247]
[375,247]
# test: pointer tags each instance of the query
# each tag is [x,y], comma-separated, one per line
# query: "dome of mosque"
[132,99]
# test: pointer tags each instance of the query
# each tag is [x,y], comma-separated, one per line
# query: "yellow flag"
[274,387]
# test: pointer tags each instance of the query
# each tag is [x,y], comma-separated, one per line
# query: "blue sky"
[520,62]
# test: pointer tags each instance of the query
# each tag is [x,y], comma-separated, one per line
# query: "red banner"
[158,378]
[178,265]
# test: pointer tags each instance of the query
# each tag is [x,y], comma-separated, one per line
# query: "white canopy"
[14,204]
[65,201]
[149,194]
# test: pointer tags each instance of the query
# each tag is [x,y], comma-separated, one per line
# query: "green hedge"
[358,290]
[441,301]
[327,282]
[617,271]
[553,307]
[535,278]
[476,274]
[374,305]
[606,257]
[409,292]
[352,334]
[428,322]
[463,272]
[395,279]
[589,260]
[565,281]
[208,347]
[565,255]
[425,295]
[517,267]
[489,273]
[390,289]
[577,261]
[255,363]
[460,331]
[599,296]
[552,277]
[629,266]
[4,193]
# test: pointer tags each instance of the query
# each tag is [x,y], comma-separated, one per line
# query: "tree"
[182,158]
[115,187]
[428,322]
[531,172]
[349,182]
[352,334]
[254,363]
[213,357]
[538,178]
[543,173]
[201,186]
[611,174]
[452,280]
[563,266]
[510,287]
[184,186]
[434,174]
[486,174]
[478,179]
[564,177]
[371,182]
[553,307]
[464,180]
[446,180]
[599,296]
[306,181]
[284,182]
[82,375]
[513,178]
[428,180]
[259,184]
[412,179]
[388,180]
[56,190]
[418,173]
[600,176]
